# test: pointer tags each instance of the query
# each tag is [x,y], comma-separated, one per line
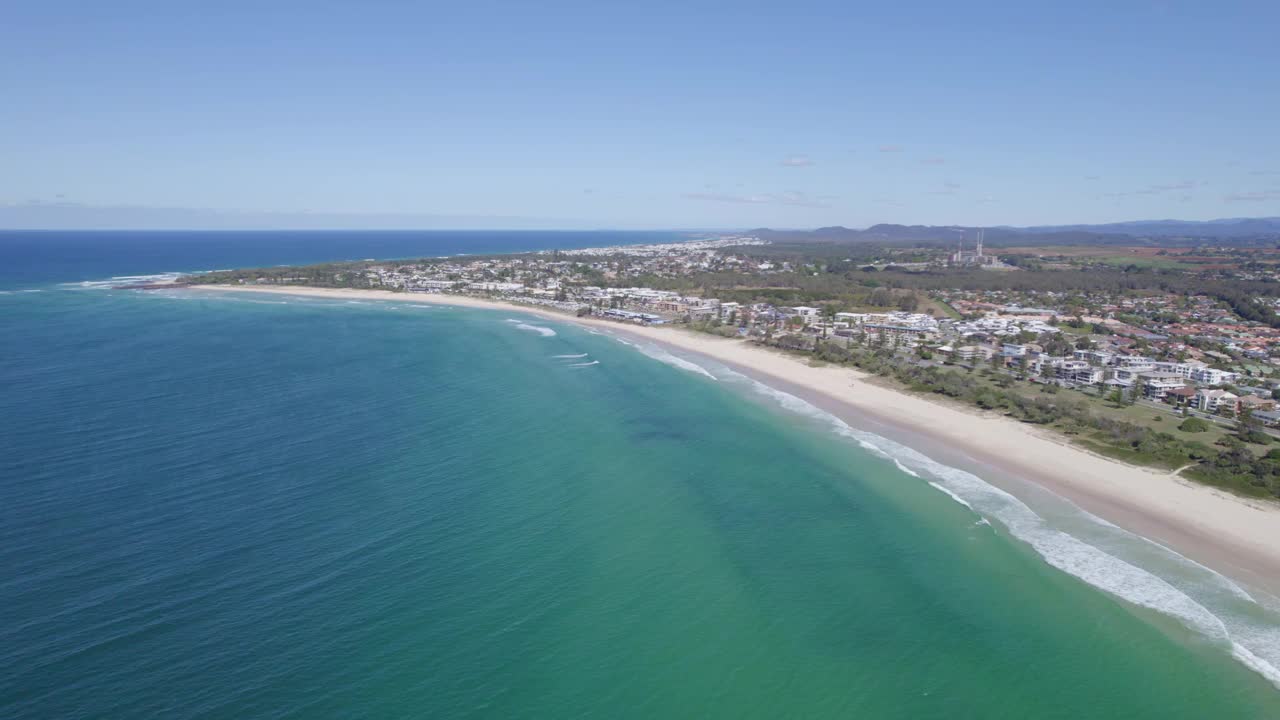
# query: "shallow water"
[242,506]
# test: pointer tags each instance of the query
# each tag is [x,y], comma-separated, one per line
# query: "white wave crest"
[570,357]
[905,469]
[944,489]
[1234,622]
[541,330]
[585,364]
[663,356]
[156,276]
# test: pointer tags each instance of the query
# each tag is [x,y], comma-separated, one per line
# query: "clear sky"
[642,114]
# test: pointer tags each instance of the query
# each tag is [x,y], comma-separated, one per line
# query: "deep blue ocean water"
[32,258]
[275,507]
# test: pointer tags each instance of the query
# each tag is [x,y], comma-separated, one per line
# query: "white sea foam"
[157,276]
[1248,629]
[662,355]
[905,469]
[1255,663]
[117,280]
[541,330]
[570,357]
[943,488]
[585,364]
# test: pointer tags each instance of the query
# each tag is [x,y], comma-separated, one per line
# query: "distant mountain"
[1224,228]
[1124,233]
[886,234]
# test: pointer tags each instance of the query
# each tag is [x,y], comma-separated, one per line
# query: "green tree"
[1194,425]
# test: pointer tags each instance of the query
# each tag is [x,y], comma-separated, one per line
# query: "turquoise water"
[253,506]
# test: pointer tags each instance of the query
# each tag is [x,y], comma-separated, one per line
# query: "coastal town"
[1189,352]
[1176,367]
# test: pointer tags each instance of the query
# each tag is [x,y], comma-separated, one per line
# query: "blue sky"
[654,114]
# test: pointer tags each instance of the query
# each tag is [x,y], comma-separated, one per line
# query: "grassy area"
[1139,434]
[1231,484]
[1146,416]
[1126,455]
[1158,263]
[1142,415]
[941,308]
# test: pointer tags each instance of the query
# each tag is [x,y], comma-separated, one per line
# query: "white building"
[502,287]
[1078,371]
[1184,370]
[1094,357]
[1212,400]
[806,313]
[1213,376]
[1156,385]
[1134,361]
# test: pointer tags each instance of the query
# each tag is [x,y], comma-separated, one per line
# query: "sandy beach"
[1236,536]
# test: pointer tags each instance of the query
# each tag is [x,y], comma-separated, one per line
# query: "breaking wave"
[570,357]
[540,329]
[662,355]
[1114,560]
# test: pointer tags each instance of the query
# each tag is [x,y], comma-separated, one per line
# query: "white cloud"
[1259,196]
[798,161]
[790,197]
[1159,188]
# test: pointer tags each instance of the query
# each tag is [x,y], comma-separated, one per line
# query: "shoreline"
[1235,536]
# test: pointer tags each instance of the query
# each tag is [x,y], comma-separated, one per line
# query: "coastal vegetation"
[1229,463]
[1095,297]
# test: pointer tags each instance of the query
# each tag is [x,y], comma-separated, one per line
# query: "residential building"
[1254,404]
[1211,401]
[1094,357]
[1213,376]
[1269,418]
[1155,385]
[1181,397]
[1077,372]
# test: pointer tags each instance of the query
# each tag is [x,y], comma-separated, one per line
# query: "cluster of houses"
[1187,384]
[991,329]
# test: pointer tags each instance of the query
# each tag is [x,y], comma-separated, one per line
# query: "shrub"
[1256,437]
[1194,425]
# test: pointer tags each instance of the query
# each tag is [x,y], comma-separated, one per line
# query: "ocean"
[219,506]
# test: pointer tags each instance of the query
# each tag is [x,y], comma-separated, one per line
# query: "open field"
[1149,257]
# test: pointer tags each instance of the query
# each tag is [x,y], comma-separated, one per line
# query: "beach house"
[1211,401]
